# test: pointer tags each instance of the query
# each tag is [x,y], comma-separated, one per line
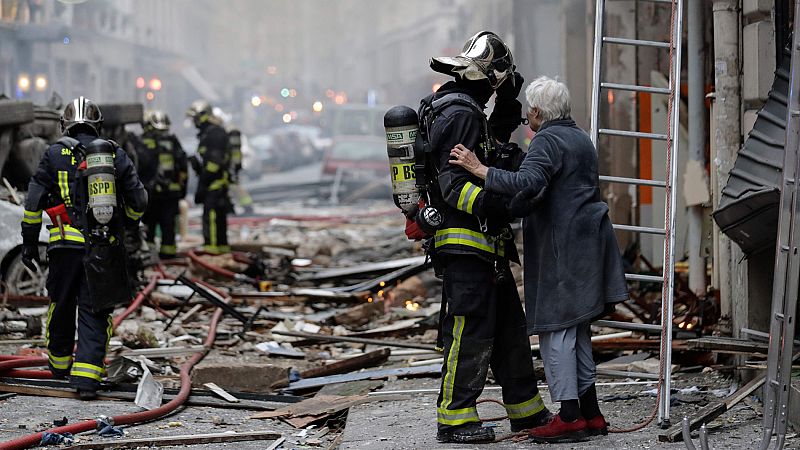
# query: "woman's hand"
[462,156]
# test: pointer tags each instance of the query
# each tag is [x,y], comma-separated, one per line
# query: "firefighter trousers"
[69,290]
[215,222]
[484,327]
[161,213]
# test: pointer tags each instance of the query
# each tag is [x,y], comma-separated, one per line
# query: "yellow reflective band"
[60,362]
[467,197]
[456,416]
[32,217]
[149,142]
[218,184]
[212,166]
[70,234]
[525,409]
[47,323]
[168,250]
[212,229]
[109,331]
[466,237]
[63,185]
[87,371]
[448,382]
[174,187]
[132,213]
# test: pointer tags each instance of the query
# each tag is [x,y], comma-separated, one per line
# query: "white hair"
[550,97]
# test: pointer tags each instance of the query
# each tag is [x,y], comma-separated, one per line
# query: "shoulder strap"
[68,142]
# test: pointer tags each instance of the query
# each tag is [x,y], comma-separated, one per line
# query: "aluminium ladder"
[787,266]
[669,184]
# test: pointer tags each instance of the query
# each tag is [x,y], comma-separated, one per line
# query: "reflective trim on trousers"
[448,383]
[60,362]
[457,416]
[87,370]
[525,409]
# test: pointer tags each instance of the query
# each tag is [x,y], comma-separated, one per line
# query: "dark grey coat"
[573,267]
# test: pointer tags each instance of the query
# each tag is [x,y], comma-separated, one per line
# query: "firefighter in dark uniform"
[482,322]
[212,164]
[60,187]
[164,171]
[243,199]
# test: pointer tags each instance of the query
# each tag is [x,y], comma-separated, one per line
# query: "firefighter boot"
[470,433]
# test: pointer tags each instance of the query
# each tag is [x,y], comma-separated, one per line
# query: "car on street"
[18,279]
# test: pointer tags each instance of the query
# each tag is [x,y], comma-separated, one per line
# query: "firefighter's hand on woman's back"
[464,157]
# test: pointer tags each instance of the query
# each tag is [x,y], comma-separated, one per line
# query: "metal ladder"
[669,183]
[787,266]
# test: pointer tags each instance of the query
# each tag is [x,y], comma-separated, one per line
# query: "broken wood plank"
[713,410]
[189,439]
[254,405]
[330,338]
[364,269]
[433,369]
[348,365]
[318,405]
[727,345]
[221,392]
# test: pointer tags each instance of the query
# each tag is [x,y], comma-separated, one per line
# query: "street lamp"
[24,82]
[41,83]
[317,106]
[155,84]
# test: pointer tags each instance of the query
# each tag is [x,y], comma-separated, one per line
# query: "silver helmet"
[156,119]
[484,56]
[200,111]
[81,111]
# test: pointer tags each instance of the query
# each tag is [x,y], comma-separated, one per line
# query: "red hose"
[88,425]
[33,361]
[137,301]
[208,266]
[34,374]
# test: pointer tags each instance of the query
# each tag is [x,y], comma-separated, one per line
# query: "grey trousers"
[568,361]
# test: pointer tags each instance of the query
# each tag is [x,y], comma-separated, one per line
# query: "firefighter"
[164,171]
[235,143]
[482,323]
[212,164]
[89,188]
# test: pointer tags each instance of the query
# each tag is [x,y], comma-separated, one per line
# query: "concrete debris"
[247,377]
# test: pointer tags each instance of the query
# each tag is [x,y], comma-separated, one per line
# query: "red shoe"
[558,431]
[597,426]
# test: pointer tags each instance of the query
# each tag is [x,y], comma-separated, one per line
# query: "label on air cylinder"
[99,160]
[403,172]
[102,190]
[401,136]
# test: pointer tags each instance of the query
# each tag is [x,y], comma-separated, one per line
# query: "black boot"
[469,433]
[87,389]
[543,417]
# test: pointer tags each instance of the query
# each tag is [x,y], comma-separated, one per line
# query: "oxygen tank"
[401,124]
[100,180]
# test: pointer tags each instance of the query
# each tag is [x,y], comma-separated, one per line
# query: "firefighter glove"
[511,87]
[30,253]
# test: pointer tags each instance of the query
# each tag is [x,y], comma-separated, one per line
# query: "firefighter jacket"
[475,222]
[56,182]
[214,168]
[163,165]
[235,145]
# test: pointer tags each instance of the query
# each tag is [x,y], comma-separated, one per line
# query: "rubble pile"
[317,313]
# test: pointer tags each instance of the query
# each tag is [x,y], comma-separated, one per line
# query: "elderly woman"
[572,267]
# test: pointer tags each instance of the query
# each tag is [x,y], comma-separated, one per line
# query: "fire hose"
[197,259]
[12,362]
[126,419]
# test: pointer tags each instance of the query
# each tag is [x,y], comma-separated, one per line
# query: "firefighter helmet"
[484,56]
[156,119]
[200,111]
[81,111]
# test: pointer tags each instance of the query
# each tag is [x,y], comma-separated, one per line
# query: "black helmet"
[200,111]
[484,56]
[81,111]
[158,120]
